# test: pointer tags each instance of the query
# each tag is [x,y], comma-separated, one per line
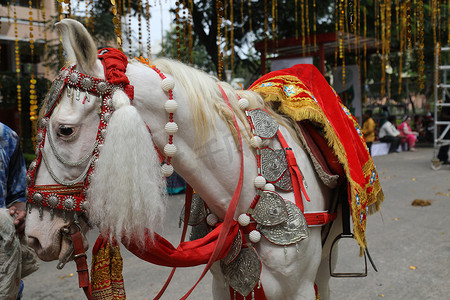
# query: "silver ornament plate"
[234,250]
[53,94]
[265,126]
[272,165]
[199,231]
[285,182]
[198,211]
[243,273]
[292,231]
[270,209]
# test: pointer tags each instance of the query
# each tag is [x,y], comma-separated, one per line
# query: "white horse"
[125,194]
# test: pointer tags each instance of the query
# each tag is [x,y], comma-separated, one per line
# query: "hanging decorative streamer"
[17,52]
[242,16]
[116,22]
[274,21]
[141,49]
[190,34]
[401,28]
[47,67]
[130,53]
[266,25]
[250,14]
[177,29]
[365,41]
[86,16]
[149,40]
[302,25]
[185,32]
[232,38]
[91,16]
[420,45]
[219,12]
[225,36]
[383,47]
[314,23]
[296,18]
[33,96]
[408,25]
[69,8]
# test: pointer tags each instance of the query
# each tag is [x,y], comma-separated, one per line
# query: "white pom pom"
[269,187]
[167,170]
[260,182]
[212,219]
[265,143]
[170,150]
[167,84]
[244,220]
[256,141]
[171,128]
[171,106]
[254,236]
[243,103]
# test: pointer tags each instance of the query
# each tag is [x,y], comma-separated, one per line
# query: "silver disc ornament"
[292,231]
[242,274]
[270,209]
[265,126]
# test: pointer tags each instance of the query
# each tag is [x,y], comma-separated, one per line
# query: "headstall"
[69,196]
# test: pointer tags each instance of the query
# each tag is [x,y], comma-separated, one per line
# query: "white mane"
[127,192]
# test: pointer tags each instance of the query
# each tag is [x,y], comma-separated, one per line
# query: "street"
[410,245]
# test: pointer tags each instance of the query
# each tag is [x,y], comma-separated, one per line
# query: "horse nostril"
[34,243]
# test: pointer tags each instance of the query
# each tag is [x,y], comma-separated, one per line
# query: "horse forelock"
[127,192]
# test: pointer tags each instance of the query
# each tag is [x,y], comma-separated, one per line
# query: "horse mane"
[206,101]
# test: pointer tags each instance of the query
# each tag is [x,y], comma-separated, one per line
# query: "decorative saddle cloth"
[302,93]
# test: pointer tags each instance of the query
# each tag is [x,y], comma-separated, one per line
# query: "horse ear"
[78,44]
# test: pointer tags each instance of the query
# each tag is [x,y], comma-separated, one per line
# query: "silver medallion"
[53,201]
[37,198]
[270,209]
[102,87]
[198,211]
[69,203]
[234,250]
[243,273]
[73,77]
[86,83]
[199,231]
[53,94]
[265,126]
[272,165]
[292,231]
[28,179]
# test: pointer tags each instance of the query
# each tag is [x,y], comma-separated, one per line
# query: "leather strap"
[81,262]
[296,174]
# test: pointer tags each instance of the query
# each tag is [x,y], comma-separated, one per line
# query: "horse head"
[85,115]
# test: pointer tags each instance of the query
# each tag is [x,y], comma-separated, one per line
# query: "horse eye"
[66,131]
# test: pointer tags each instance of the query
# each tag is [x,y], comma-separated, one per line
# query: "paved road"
[410,245]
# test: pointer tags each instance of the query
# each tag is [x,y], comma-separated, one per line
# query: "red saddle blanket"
[302,93]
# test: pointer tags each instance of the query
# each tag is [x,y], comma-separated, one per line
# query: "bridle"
[70,196]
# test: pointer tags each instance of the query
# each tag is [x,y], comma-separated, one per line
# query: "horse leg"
[323,273]
[220,288]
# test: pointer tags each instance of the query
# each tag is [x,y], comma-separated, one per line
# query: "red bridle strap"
[81,262]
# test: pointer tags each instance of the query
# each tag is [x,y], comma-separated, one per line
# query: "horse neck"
[211,166]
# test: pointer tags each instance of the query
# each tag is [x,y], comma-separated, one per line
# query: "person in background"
[407,133]
[17,259]
[389,134]
[368,129]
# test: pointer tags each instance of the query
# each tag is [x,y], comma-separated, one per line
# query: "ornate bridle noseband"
[69,196]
